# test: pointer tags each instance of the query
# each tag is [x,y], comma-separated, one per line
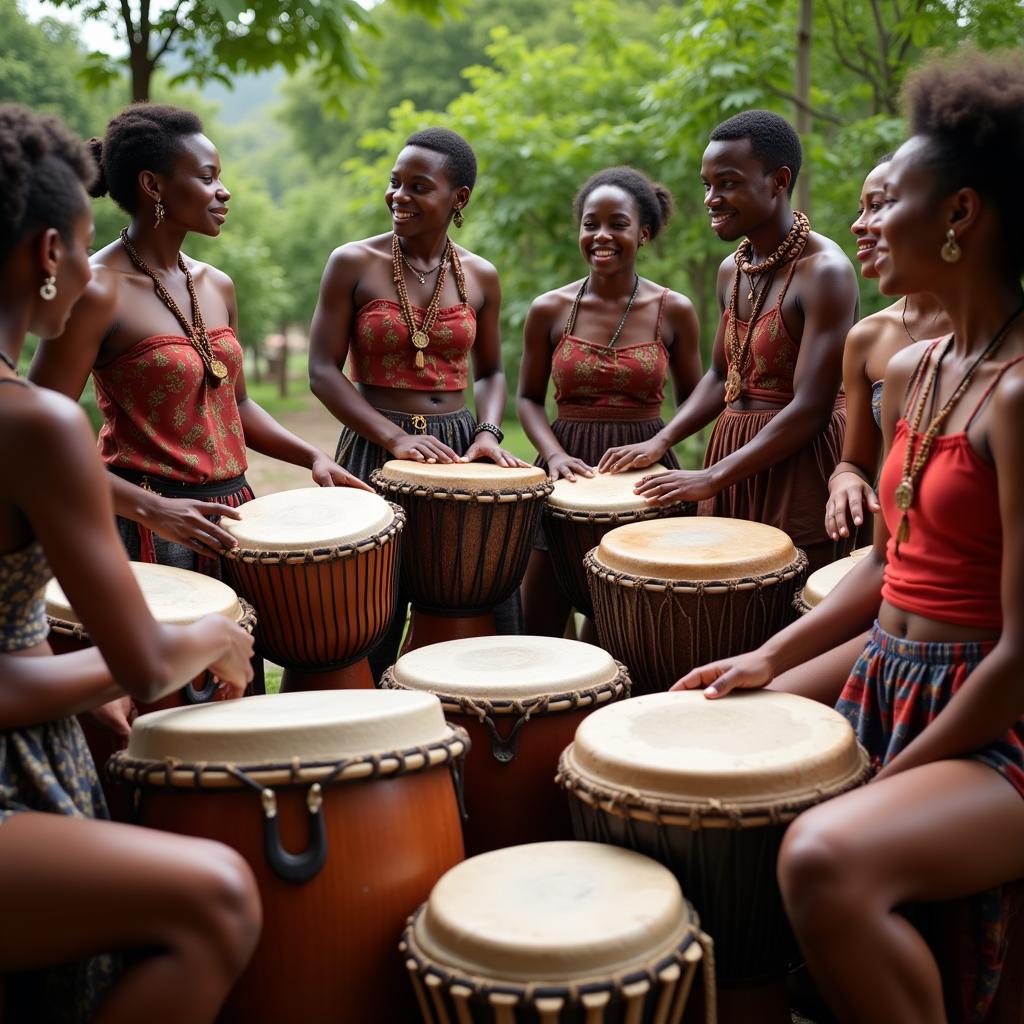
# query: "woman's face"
[72,272]
[610,230]
[194,197]
[420,196]
[872,196]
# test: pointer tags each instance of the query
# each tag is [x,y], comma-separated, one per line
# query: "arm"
[684,351]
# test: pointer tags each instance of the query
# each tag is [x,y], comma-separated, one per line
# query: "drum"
[470,531]
[554,933]
[344,806]
[672,594]
[708,788]
[520,698]
[321,566]
[579,514]
[821,582]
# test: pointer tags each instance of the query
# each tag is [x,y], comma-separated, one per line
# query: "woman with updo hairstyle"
[158,332]
[607,342]
[936,697]
[74,888]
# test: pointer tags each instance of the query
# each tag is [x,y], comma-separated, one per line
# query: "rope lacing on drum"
[591,518]
[484,497]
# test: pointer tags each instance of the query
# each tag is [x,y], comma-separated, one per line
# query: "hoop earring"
[950,251]
[458,217]
[48,289]
[159,211]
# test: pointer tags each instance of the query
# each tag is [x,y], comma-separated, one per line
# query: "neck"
[158,247]
[977,308]
[612,287]
[924,316]
[768,236]
[425,249]
[15,316]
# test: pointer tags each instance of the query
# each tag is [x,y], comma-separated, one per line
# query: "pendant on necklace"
[733,385]
[750,295]
[218,369]
[904,494]
[420,339]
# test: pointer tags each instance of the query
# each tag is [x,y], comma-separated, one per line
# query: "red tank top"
[382,355]
[586,373]
[162,417]
[949,569]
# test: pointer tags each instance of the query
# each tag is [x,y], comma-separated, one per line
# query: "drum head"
[463,476]
[700,548]
[821,583]
[307,518]
[552,912]
[324,725]
[505,667]
[603,492]
[175,597]
[752,748]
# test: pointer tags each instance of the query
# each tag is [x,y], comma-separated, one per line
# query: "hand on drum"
[116,717]
[565,466]
[187,521]
[485,446]
[632,456]
[677,485]
[233,669]
[743,672]
[848,496]
[327,473]
[422,448]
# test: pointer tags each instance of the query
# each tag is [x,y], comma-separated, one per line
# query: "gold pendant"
[904,495]
[419,359]
[218,369]
[733,385]
[420,339]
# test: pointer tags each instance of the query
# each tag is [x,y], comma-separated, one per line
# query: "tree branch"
[813,111]
[129,25]
[175,25]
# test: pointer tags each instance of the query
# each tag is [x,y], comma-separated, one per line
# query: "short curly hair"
[143,137]
[969,108]
[773,140]
[460,160]
[43,167]
[653,200]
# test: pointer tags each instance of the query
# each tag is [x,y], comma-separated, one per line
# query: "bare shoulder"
[477,267]
[347,261]
[904,362]
[678,305]
[825,258]
[207,272]
[44,422]
[99,300]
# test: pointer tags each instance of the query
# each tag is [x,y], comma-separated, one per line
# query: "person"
[935,696]
[607,341]
[788,297]
[158,332]
[409,310]
[75,888]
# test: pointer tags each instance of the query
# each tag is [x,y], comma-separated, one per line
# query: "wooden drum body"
[470,529]
[822,582]
[578,515]
[554,933]
[673,594]
[321,566]
[520,699]
[344,806]
[708,788]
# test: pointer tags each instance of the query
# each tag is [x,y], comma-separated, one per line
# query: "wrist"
[489,428]
[848,467]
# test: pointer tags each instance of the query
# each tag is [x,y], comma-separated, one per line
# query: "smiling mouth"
[220,215]
[603,253]
[402,214]
[720,218]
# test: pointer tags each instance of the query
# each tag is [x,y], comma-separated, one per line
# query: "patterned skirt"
[895,689]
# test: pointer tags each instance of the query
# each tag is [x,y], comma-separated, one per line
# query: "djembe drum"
[708,788]
[555,933]
[822,581]
[470,529]
[520,698]
[579,514]
[321,566]
[343,803]
[672,594]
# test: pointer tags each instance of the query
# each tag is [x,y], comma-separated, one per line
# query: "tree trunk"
[282,381]
[803,95]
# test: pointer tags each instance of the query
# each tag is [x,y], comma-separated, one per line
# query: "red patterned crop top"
[381,353]
[163,418]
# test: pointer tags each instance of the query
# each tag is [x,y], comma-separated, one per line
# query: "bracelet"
[848,467]
[490,428]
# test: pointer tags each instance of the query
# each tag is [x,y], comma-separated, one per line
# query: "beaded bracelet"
[490,428]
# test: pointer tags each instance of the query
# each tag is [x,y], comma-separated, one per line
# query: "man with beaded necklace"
[773,388]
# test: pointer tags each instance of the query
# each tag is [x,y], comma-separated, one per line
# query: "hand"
[327,473]
[186,521]
[116,717]
[848,496]
[677,485]
[233,669]
[744,672]
[422,448]
[485,446]
[633,456]
[563,465]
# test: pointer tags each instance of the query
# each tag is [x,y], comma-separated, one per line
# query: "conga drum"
[470,531]
[554,933]
[822,581]
[579,514]
[320,564]
[708,788]
[672,594]
[520,699]
[344,805]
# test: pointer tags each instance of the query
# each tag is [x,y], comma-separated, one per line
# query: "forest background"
[547,92]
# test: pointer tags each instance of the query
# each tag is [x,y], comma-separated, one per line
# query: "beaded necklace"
[9,361]
[790,248]
[196,333]
[570,324]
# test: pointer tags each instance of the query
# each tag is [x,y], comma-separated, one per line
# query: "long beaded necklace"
[914,461]
[196,332]
[420,336]
[570,324]
[790,248]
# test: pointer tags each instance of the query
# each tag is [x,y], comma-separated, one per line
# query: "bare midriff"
[911,626]
[426,403]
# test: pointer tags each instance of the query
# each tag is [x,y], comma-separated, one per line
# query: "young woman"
[608,342]
[936,695]
[73,888]
[158,332]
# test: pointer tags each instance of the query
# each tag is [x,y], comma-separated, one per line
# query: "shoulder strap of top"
[914,384]
[661,313]
[785,284]
[988,391]
[570,323]
[460,277]
[14,380]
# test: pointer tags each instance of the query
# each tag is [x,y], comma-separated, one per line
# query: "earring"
[458,216]
[48,289]
[159,211]
[950,251]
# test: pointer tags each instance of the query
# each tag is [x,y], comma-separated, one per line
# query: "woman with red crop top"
[936,697]
[607,343]
[157,330]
